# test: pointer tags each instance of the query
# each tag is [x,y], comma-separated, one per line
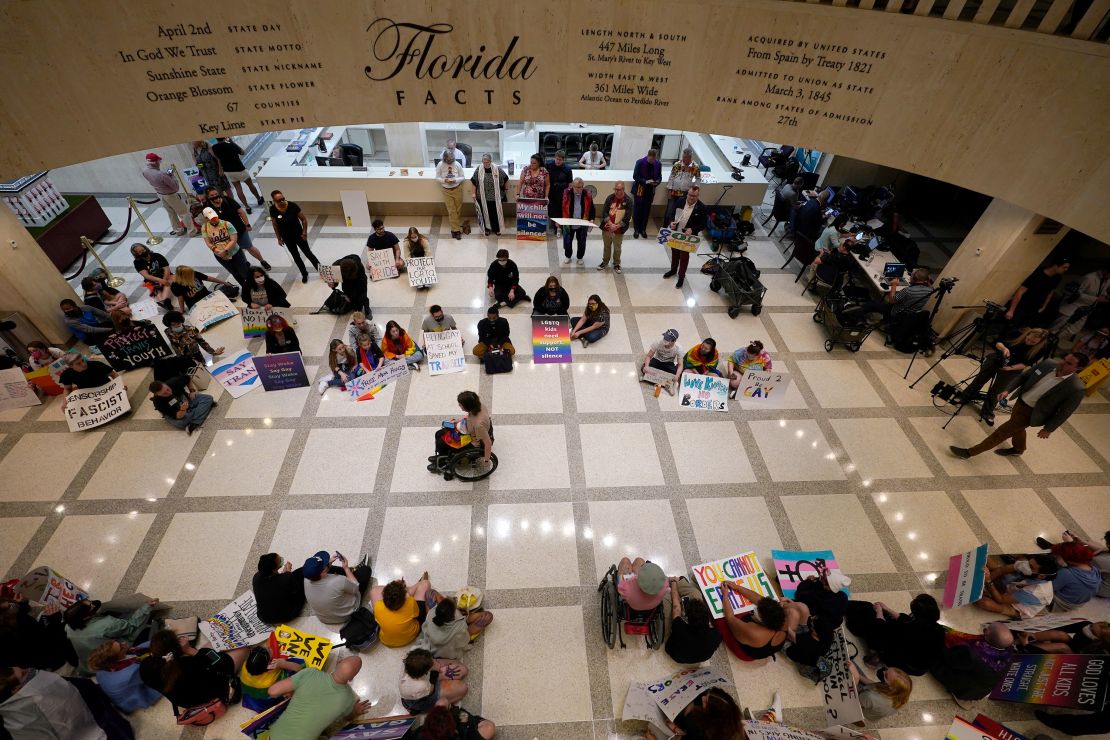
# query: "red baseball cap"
[152,157]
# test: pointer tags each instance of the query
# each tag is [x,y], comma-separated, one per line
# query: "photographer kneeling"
[1001,367]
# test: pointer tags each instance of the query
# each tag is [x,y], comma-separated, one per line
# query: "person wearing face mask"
[99,295]
[155,271]
[551,300]
[593,324]
[264,291]
[188,287]
[280,337]
[278,589]
[665,355]
[186,339]
[181,407]
[223,239]
[503,281]
[42,355]
[86,323]
[1020,588]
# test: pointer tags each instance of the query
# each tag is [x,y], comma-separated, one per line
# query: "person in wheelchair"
[456,435]
[642,584]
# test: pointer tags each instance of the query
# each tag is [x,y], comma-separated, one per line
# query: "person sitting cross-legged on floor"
[179,406]
[400,609]
[593,324]
[278,589]
[427,680]
[1100,556]
[493,333]
[1021,589]
[335,593]
[693,638]
[1078,580]
[910,642]
[447,632]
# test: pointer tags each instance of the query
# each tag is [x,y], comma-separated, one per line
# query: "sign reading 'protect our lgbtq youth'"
[1074,681]
[421,271]
[743,568]
[550,339]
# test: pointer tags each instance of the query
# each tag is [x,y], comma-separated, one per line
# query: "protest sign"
[365,386]
[678,240]
[961,729]
[422,271]
[144,310]
[841,700]
[381,728]
[965,577]
[1095,374]
[310,648]
[758,730]
[15,390]
[794,566]
[90,407]
[767,388]
[236,625]
[576,222]
[259,724]
[46,586]
[640,706]
[46,378]
[444,351]
[139,347]
[237,374]
[1073,681]
[838,731]
[281,371]
[383,265]
[999,731]
[329,274]
[675,692]
[212,309]
[254,319]
[702,392]
[743,568]
[1045,622]
[655,376]
[550,339]
[531,220]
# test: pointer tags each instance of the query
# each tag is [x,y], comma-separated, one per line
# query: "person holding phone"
[335,592]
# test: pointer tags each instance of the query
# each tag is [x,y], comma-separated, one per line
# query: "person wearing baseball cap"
[168,190]
[643,584]
[335,593]
[223,239]
[664,355]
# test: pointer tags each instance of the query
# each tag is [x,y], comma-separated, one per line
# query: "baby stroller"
[740,279]
[724,228]
[840,311]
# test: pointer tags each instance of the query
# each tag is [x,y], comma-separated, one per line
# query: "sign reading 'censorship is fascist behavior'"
[90,407]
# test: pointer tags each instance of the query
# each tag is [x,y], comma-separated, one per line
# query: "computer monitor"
[322,161]
[830,193]
[893,270]
[873,244]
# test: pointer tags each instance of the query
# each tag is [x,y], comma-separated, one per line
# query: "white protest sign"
[639,705]
[767,388]
[841,700]
[575,222]
[745,569]
[144,309]
[90,407]
[15,390]
[236,374]
[422,271]
[675,692]
[444,352]
[655,376]
[758,730]
[702,392]
[383,375]
[236,625]
[1040,624]
[382,264]
[214,308]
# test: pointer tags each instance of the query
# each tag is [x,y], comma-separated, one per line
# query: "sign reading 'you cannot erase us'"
[744,569]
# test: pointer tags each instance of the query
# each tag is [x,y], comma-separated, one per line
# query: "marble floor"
[593,467]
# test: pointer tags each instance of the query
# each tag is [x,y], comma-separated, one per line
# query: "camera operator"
[909,300]
[1004,365]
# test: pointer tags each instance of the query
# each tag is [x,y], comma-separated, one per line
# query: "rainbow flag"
[550,339]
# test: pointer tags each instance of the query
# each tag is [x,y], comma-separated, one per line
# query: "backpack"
[963,674]
[498,361]
[231,291]
[361,631]
[338,303]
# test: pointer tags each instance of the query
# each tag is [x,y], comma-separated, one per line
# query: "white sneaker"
[415,367]
[579,261]
[617,269]
[601,266]
[322,386]
[567,261]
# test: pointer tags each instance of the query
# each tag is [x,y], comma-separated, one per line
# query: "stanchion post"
[113,281]
[185,190]
[152,239]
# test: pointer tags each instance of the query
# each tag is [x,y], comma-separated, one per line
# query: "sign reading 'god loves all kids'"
[744,569]
[1074,681]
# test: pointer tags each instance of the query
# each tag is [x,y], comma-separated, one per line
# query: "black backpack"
[338,303]
[361,631]
[498,361]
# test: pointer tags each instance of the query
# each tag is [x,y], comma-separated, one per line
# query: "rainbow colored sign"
[531,220]
[550,339]
[743,568]
[1075,681]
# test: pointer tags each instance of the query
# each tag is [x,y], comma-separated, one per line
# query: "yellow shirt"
[399,627]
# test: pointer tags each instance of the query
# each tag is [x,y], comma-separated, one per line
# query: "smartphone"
[339,555]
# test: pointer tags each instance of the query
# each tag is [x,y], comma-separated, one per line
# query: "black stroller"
[739,277]
[840,311]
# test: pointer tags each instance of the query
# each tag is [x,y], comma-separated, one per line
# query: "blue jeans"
[568,236]
[415,357]
[590,336]
[199,409]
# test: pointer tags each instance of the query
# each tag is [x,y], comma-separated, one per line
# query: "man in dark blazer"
[1046,394]
[690,218]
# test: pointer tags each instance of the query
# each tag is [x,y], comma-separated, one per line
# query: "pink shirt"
[629,588]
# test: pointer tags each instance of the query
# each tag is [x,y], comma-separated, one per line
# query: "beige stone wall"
[1017,115]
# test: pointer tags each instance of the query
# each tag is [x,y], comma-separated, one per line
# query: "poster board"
[1043,622]
[1072,681]
[236,625]
[133,349]
[766,388]
[356,210]
[329,274]
[675,692]
[961,729]
[444,351]
[144,310]
[745,569]
[759,730]
[254,319]
[794,566]
[211,310]
[640,706]
[996,729]
[91,407]
[531,220]
[365,386]
[550,339]
[236,374]
[282,371]
[15,390]
[839,691]
[260,723]
[702,392]
[576,222]
[312,649]
[46,586]
[965,577]
[380,728]
[678,240]
[383,266]
[421,271]
[655,376]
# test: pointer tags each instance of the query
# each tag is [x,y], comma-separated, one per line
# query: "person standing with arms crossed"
[647,173]
[450,176]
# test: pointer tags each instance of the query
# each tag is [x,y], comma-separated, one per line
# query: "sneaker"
[585,343]
[1007,452]
[961,452]
[194,232]
[601,266]
[617,269]
[669,274]
[415,367]
[321,387]
[266,266]
[1043,543]
[177,232]
[304,277]
[190,429]
[579,261]
[566,261]
[249,209]
[987,419]
[669,388]
[456,234]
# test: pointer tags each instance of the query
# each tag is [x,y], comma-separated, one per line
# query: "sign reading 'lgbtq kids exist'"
[703,392]
[550,339]
[1075,681]
[965,577]
[765,388]
[444,351]
[743,568]
[531,220]
[794,566]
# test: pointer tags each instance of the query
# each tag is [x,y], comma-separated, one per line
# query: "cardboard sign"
[236,625]
[678,240]
[365,386]
[282,371]
[767,388]
[1095,374]
[382,264]
[237,374]
[758,730]
[421,271]
[576,222]
[655,376]
[640,706]
[259,724]
[550,339]
[702,392]
[444,351]
[329,274]
[144,310]
[212,309]
[90,407]
[531,220]
[841,700]
[675,692]
[1073,681]
[794,566]
[382,728]
[139,347]
[254,319]
[15,390]
[745,569]
[312,649]
[46,586]
[965,577]
[1045,622]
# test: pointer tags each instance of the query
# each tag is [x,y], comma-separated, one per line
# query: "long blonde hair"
[1036,349]
[896,685]
[184,275]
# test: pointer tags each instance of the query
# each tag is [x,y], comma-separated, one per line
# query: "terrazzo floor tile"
[301,533]
[15,534]
[96,551]
[515,444]
[1014,517]
[241,462]
[928,527]
[320,469]
[619,455]
[838,522]
[635,529]
[435,539]
[880,449]
[117,476]
[531,546]
[27,480]
[795,450]
[731,466]
[1088,505]
[607,387]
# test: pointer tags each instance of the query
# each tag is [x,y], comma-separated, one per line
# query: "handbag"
[497,361]
[201,716]
[199,377]
[231,291]
[361,631]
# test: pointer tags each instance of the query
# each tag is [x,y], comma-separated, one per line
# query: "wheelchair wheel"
[654,636]
[468,465]
[828,345]
[609,624]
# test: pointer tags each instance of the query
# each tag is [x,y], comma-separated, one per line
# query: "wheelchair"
[465,464]
[618,619]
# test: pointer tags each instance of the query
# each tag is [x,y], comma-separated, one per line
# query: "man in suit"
[1047,394]
[688,219]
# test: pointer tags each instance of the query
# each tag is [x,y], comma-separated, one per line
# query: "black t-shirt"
[191,293]
[229,211]
[204,677]
[287,224]
[280,596]
[153,263]
[387,240]
[1037,287]
[230,156]
[96,375]
[689,645]
[170,405]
